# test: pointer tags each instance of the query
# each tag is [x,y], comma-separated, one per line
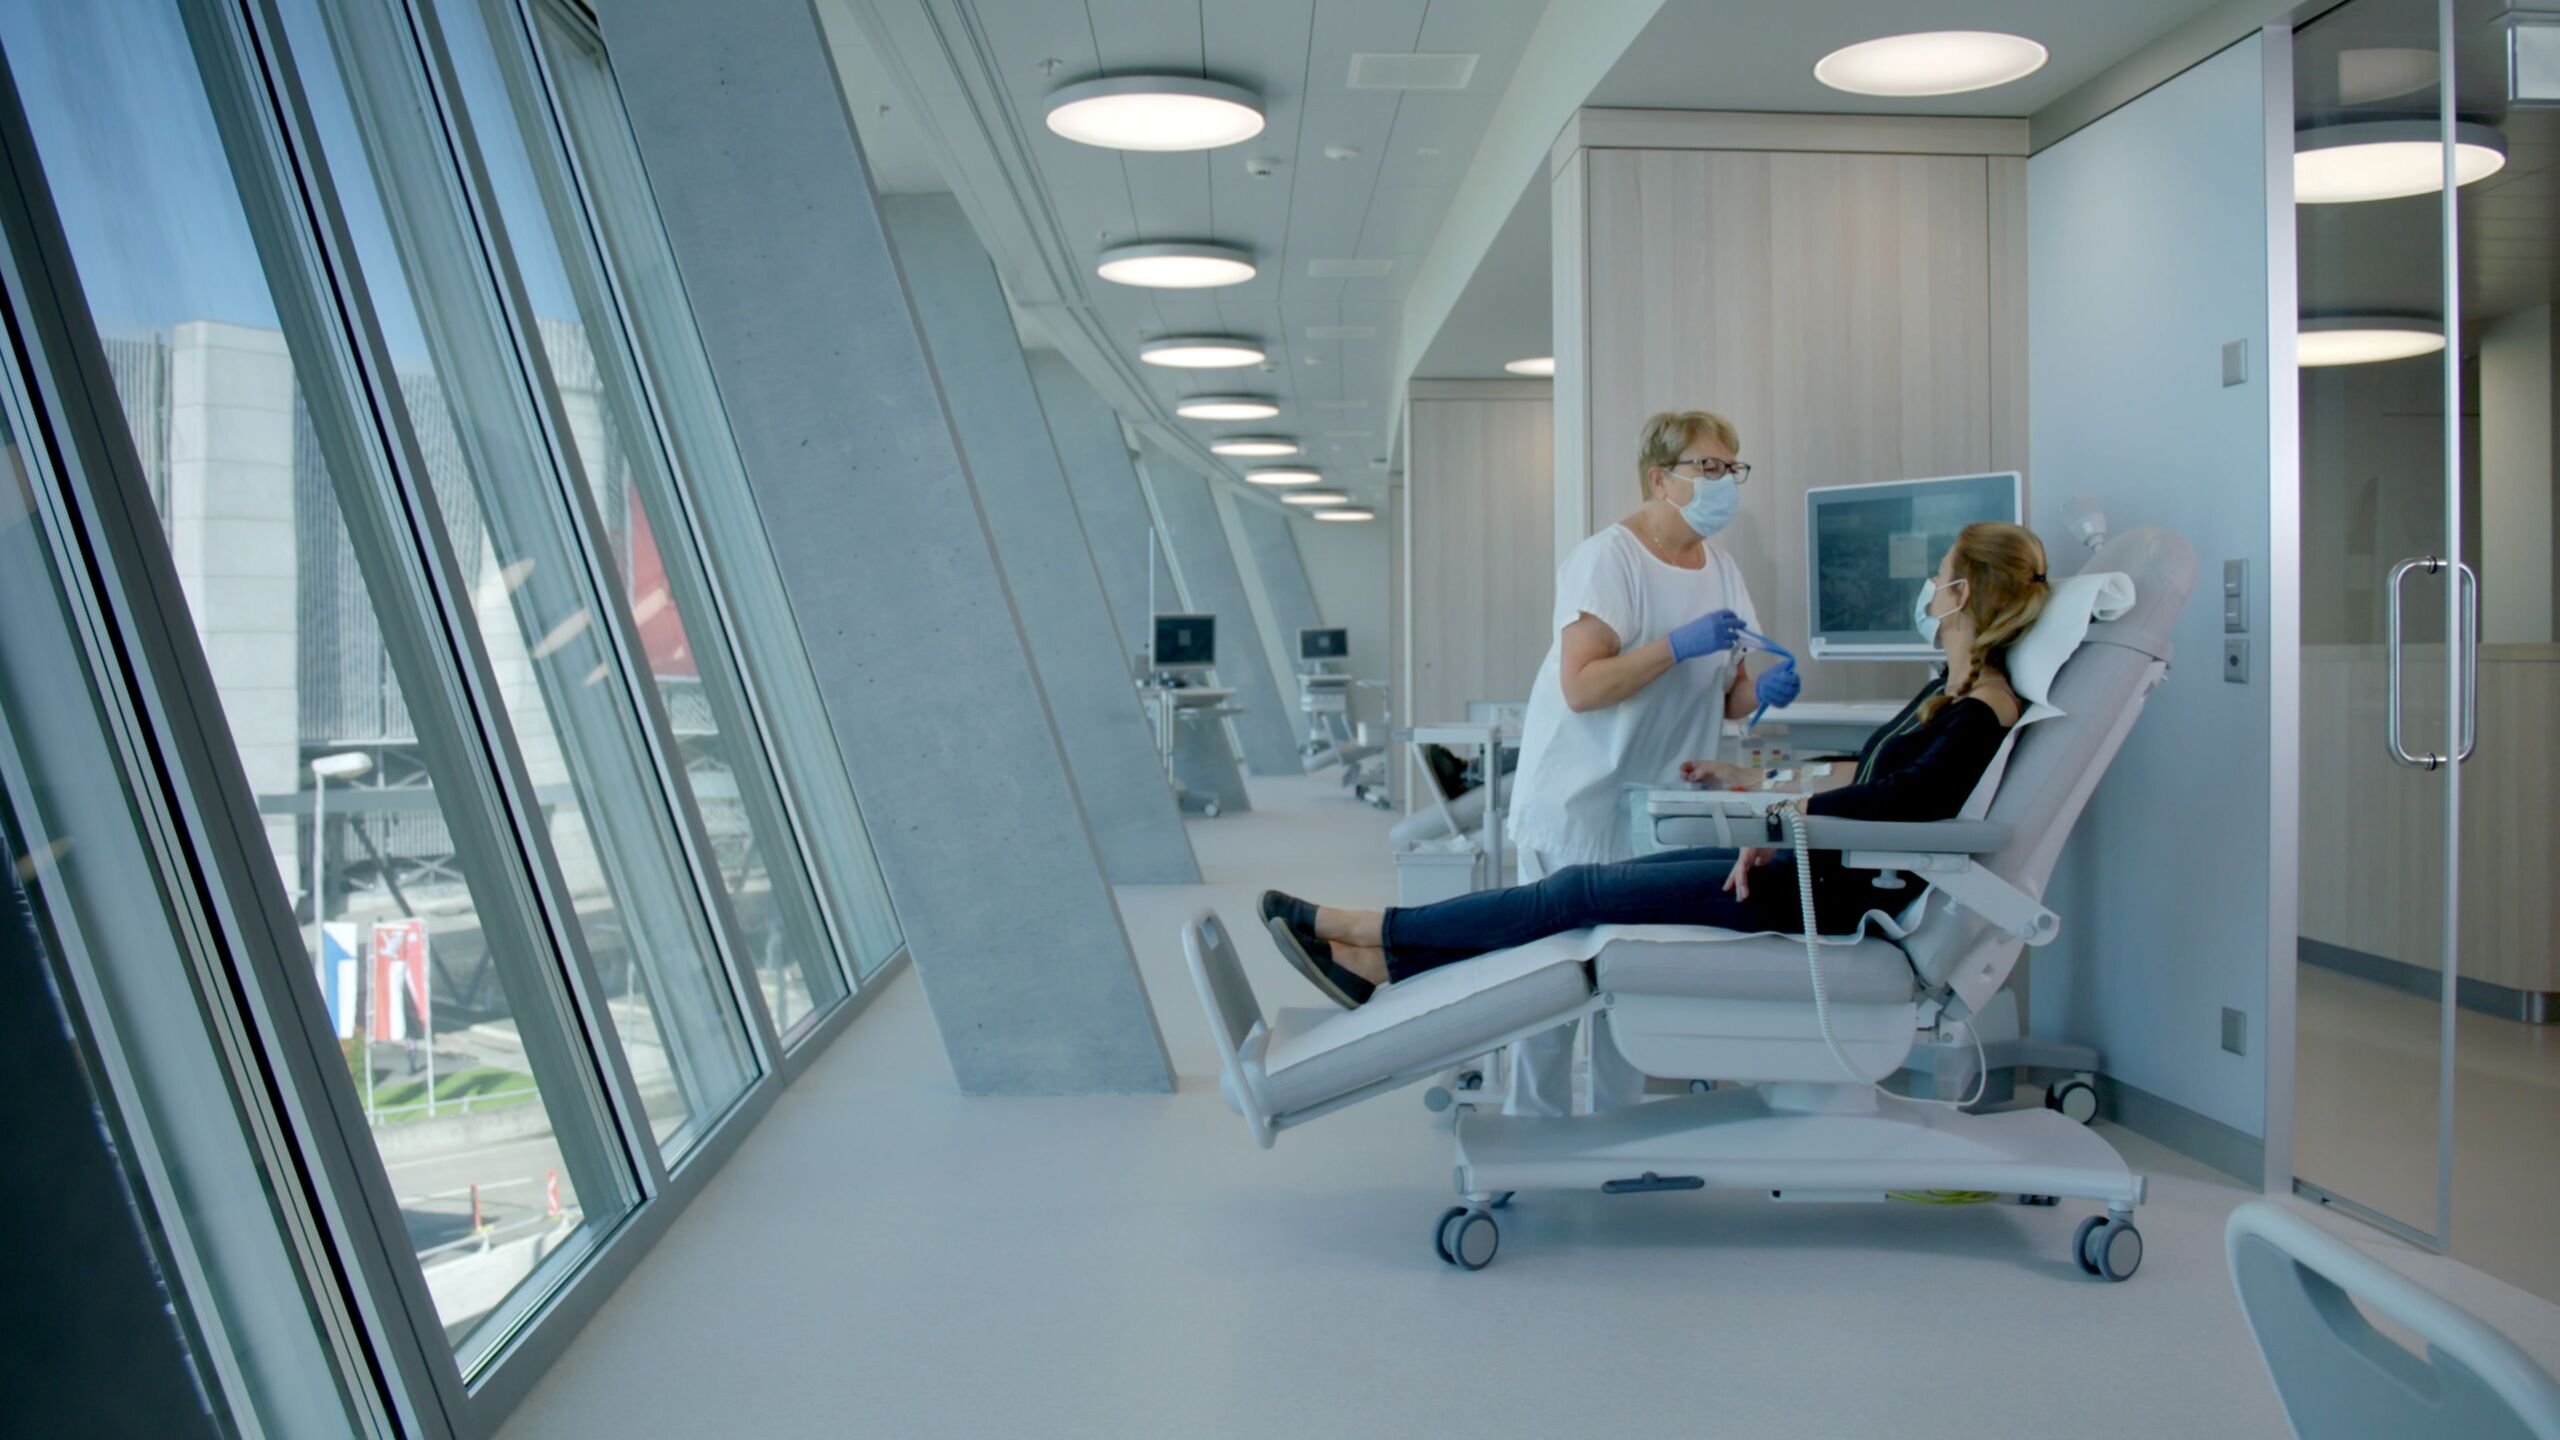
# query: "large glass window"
[338,689]
[738,559]
[498,452]
[649,528]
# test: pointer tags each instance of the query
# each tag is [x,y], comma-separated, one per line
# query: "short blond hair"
[1667,434]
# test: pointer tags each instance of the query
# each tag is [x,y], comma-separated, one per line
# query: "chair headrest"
[2163,567]
[2037,656]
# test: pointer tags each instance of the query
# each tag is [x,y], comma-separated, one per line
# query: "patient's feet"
[1291,922]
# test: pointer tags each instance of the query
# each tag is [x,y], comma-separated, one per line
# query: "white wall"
[1346,567]
[2148,249]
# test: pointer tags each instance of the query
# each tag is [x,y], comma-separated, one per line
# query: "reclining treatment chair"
[1692,1001]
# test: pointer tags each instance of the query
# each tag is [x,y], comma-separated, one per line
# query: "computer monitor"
[1332,643]
[1184,642]
[1869,547]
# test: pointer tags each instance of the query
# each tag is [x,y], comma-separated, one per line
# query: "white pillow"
[2037,656]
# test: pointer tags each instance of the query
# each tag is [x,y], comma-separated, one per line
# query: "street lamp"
[343,765]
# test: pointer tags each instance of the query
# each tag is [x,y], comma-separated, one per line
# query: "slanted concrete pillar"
[1111,750]
[1198,543]
[877,538]
[1117,528]
[1271,553]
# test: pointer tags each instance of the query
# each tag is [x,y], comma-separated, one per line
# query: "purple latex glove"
[1778,686]
[1710,634]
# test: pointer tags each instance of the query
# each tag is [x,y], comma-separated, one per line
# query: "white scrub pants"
[1542,1065]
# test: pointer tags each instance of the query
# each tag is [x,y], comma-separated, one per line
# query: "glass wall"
[2427,1083]
[553,851]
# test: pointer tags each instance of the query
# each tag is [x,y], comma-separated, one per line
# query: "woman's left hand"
[1717,775]
[1738,884]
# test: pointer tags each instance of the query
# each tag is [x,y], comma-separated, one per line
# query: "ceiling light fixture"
[1315,497]
[1176,265]
[1155,112]
[1258,447]
[1201,352]
[2388,159]
[1226,407]
[1939,62]
[2365,339]
[1346,514]
[1534,365]
[1282,475]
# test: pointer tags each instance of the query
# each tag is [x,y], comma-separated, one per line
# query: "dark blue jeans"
[1676,887]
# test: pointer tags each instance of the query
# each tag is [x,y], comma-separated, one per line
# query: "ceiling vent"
[1348,269]
[1412,72]
[1341,332]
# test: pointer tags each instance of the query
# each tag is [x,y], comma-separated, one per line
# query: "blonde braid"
[2003,567]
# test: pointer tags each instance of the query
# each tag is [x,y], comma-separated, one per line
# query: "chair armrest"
[1824,832]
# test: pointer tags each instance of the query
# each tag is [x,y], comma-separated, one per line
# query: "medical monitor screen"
[1185,642]
[1870,548]
[1334,644]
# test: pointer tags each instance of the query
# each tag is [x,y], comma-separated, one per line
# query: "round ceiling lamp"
[1345,515]
[1226,407]
[1254,447]
[1175,265]
[1315,497]
[1283,475]
[1201,352]
[1534,365]
[2365,340]
[2388,159]
[1155,112]
[1938,62]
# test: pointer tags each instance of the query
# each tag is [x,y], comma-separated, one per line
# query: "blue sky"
[145,189]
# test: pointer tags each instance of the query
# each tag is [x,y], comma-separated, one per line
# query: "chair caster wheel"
[1440,1233]
[1209,811]
[2075,1098]
[1701,1087]
[2108,1248]
[1467,1238]
[1437,1099]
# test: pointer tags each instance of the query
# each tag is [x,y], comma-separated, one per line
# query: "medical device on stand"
[1801,1026]
[1332,737]
[1181,649]
[1455,845]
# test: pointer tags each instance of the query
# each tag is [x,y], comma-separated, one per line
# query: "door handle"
[2391,661]
[2468,584]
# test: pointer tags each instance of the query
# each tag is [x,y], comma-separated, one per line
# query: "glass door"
[2389,421]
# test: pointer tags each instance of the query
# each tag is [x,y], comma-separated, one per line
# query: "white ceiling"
[1719,55]
[944,86]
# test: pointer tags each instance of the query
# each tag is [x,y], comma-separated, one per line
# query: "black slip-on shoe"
[1309,956]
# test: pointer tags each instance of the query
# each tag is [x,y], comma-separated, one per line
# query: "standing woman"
[1643,674]
[1644,670]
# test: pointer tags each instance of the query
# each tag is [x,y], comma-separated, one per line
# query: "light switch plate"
[2235,659]
[2235,597]
[2235,1031]
[2235,363]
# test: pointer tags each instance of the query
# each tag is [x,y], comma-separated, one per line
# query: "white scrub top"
[1573,766]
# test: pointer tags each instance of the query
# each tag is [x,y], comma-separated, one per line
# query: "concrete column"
[1198,544]
[231,532]
[879,543]
[1095,455]
[1111,750]
[1270,555]
[2516,420]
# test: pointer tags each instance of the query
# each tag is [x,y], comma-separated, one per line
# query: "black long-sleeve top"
[1910,770]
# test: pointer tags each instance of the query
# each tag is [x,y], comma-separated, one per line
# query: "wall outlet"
[2235,1031]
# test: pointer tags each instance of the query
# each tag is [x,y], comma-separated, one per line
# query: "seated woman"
[1989,590]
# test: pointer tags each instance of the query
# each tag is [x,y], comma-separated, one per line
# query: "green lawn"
[488,1086]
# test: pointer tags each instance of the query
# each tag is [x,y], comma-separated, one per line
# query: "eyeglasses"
[1718,469]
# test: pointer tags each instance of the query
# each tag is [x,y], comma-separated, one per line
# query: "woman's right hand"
[1738,884]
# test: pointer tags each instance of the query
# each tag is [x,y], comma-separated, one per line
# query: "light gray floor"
[885,1258]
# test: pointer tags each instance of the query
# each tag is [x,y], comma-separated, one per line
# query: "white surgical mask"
[1925,622]
[1712,505]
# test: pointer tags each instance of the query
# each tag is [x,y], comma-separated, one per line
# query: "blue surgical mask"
[1712,505]
[1925,622]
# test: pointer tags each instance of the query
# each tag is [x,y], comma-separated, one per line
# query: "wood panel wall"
[1478,573]
[1858,316]
[2372,830]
